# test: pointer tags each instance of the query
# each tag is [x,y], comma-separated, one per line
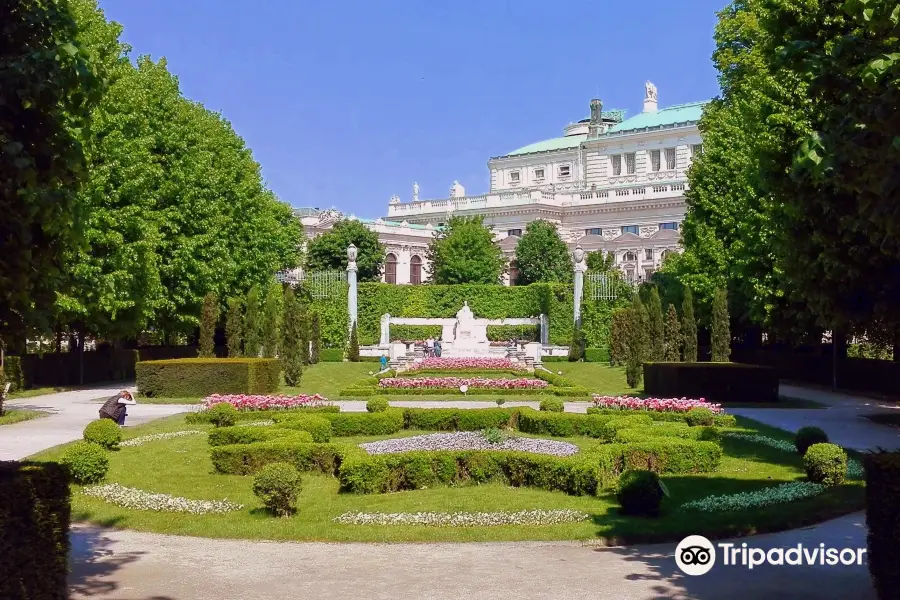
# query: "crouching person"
[114,408]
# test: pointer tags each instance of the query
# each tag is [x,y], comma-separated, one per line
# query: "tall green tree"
[271,322]
[353,348]
[656,349]
[329,250]
[673,335]
[234,327]
[465,252]
[252,323]
[305,332]
[542,255]
[689,327]
[601,261]
[316,338]
[619,336]
[720,333]
[638,342]
[48,86]
[291,338]
[208,319]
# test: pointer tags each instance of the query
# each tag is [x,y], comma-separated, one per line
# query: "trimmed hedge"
[596,355]
[642,433]
[381,423]
[719,420]
[224,436]
[198,377]
[508,333]
[35,515]
[563,424]
[882,520]
[204,416]
[104,432]
[639,493]
[411,333]
[331,355]
[719,382]
[87,462]
[662,455]
[807,436]
[12,367]
[316,425]
[825,463]
[363,392]
[246,459]
[459,419]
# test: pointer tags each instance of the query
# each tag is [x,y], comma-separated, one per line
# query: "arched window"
[390,269]
[415,270]
[666,254]
[630,256]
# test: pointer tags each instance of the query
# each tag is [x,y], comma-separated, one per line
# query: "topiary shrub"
[826,464]
[552,405]
[639,493]
[700,416]
[807,436]
[87,462]
[223,414]
[377,404]
[277,485]
[103,432]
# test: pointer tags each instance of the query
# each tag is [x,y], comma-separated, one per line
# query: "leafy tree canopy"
[329,250]
[542,256]
[465,252]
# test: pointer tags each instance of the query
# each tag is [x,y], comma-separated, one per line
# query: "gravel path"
[468,440]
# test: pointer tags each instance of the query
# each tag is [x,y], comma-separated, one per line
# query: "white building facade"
[609,183]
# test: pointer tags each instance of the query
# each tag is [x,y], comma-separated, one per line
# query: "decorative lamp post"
[351,281]
[580,268]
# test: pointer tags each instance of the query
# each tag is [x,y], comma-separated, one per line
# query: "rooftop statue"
[415,192]
[651,91]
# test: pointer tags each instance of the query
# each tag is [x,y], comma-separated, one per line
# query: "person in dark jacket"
[114,408]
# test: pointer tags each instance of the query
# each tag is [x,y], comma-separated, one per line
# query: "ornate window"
[593,231]
[629,275]
[616,164]
[629,256]
[538,173]
[648,254]
[670,159]
[630,229]
[415,270]
[696,150]
[515,232]
[390,269]
[629,163]
[514,177]
[668,226]
[565,170]
[654,160]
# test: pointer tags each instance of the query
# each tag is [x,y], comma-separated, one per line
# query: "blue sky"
[347,103]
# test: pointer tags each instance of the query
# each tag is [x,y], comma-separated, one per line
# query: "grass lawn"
[182,467]
[17,415]
[39,391]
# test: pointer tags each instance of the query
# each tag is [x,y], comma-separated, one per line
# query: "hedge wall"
[199,377]
[262,415]
[34,531]
[12,368]
[241,434]
[246,459]
[883,521]
[410,333]
[719,382]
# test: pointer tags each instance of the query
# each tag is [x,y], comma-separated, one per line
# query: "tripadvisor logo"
[695,555]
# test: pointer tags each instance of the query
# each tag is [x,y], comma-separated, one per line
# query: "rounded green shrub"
[826,464]
[277,485]
[639,493]
[552,405]
[700,416]
[87,462]
[807,436]
[223,414]
[377,404]
[104,432]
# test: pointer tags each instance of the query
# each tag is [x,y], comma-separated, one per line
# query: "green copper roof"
[396,224]
[673,115]
[560,143]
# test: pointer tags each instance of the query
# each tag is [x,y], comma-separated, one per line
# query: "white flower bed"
[257,424]
[779,494]
[763,439]
[468,440]
[140,441]
[463,519]
[140,500]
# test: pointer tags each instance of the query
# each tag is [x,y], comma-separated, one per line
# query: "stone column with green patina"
[580,268]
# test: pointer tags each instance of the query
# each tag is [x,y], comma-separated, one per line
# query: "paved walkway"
[128,565]
[69,413]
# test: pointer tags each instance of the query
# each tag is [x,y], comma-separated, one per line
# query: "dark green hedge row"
[662,429]
[453,373]
[720,420]
[241,434]
[883,521]
[414,333]
[318,426]
[380,423]
[331,355]
[661,455]
[12,368]
[506,333]
[596,355]
[459,419]
[562,424]
[246,459]
[34,531]
[261,415]
[718,382]
[198,377]
[362,392]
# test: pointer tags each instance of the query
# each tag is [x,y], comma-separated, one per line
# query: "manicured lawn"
[182,467]
[39,391]
[17,415]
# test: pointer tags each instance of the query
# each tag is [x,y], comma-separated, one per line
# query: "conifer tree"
[576,347]
[209,315]
[270,322]
[304,332]
[291,338]
[689,327]
[638,342]
[252,324]
[353,350]
[233,327]
[316,338]
[720,335]
[673,335]
[656,349]
[618,345]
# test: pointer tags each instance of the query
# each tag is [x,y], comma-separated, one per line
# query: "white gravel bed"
[468,440]
[463,519]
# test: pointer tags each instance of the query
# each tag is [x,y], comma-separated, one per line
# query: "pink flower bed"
[500,364]
[251,402]
[521,383]
[657,404]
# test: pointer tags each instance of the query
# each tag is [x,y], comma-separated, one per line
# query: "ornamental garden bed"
[190,478]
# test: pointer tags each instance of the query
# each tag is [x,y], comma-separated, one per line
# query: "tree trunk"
[81,357]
